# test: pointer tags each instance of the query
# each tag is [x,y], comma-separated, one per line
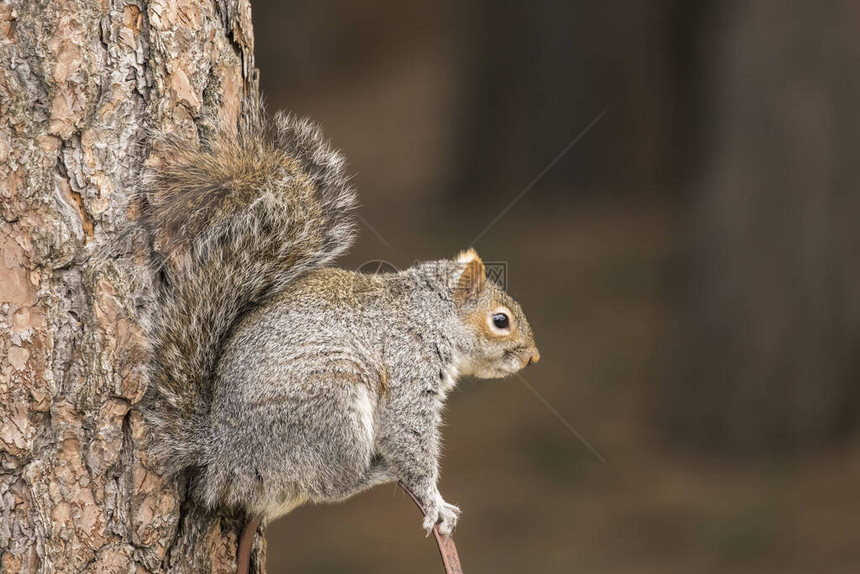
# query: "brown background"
[689,267]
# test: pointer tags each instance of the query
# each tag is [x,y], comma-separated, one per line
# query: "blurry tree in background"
[531,76]
[772,347]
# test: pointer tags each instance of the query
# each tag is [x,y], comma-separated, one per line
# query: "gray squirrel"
[278,380]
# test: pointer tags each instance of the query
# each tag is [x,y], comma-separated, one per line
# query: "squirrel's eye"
[500,320]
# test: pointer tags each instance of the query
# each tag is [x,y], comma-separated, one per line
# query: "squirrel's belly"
[285,507]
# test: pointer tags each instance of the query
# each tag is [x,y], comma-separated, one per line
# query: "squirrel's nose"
[534,358]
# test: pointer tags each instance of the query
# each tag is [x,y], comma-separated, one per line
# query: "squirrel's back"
[229,222]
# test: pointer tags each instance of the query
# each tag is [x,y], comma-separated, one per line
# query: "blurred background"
[680,199]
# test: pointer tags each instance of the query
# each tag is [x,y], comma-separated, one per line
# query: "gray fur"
[229,223]
[280,381]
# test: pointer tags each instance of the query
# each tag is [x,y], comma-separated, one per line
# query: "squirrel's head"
[498,339]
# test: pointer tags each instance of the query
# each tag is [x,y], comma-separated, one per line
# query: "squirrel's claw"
[429,521]
[450,516]
[446,515]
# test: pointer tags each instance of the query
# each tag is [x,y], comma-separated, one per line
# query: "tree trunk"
[773,349]
[81,82]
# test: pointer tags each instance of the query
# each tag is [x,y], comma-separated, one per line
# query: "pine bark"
[81,84]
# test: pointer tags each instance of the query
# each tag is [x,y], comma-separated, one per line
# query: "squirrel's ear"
[472,276]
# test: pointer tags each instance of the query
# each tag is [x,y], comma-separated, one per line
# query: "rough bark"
[80,84]
[773,346]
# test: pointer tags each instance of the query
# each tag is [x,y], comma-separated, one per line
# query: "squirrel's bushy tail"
[229,222]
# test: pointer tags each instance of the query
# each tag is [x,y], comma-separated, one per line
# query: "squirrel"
[276,378]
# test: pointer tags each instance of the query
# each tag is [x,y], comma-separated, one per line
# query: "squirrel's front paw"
[446,515]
